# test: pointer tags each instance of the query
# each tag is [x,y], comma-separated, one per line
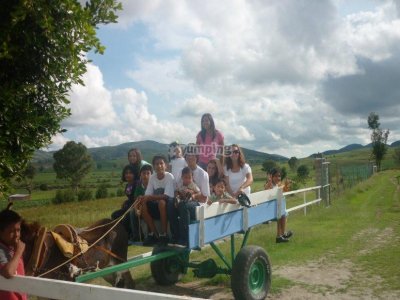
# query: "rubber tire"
[251,274]
[161,269]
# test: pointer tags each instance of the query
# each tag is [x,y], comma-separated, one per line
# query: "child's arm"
[10,268]
[228,200]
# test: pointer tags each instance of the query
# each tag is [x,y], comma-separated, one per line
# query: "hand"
[19,247]
[209,202]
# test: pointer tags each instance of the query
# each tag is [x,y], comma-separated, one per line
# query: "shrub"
[102,191]
[85,194]
[63,196]
[120,192]
[43,187]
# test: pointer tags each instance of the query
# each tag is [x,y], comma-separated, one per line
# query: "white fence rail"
[306,203]
[57,289]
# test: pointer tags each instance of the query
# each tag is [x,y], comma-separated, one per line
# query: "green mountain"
[119,153]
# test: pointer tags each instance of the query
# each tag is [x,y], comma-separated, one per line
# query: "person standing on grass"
[237,173]
[209,140]
[274,180]
[159,192]
[11,250]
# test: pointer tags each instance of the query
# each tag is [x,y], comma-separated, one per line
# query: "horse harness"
[69,242]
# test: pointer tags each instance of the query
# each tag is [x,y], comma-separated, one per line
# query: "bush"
[63,196]
[43,187]
[85,194]
[120,192]
[102,191]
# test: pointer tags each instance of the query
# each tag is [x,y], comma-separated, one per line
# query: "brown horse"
[109,250]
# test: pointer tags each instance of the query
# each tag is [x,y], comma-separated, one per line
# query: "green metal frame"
[183,253]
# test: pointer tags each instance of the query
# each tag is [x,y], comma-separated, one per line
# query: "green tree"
[378,138]
[268,165]
[72,162]
[27,175]
[302,173]
[292,162]
[396,156]
[42,53]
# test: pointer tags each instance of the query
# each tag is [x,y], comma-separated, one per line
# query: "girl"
[11,250]
[209,140]
[215,172]
[238,173]
[136,161]
[176,160]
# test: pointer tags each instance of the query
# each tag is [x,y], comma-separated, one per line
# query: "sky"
[289,77]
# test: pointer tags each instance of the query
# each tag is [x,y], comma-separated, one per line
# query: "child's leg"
[162,208]
[147,218]
[172,216]
[186,213]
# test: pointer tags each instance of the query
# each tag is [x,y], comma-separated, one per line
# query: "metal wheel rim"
[257,277]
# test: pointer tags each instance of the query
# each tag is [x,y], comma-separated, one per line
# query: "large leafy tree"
[268,165]
[72,162]
[43,46]
[302,173]
[292,162]
[379,139]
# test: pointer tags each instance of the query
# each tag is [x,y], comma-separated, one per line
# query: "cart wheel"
[166,271]
[251,274]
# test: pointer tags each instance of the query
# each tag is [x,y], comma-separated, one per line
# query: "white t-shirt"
[236,179]
[166,184]
[177,165]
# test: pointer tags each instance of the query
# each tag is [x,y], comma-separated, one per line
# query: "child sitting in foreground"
[11,250]
[186,188]
[220,194]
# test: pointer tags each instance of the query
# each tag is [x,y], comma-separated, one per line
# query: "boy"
[186,189]
[159,191]
[220,194]
[145,173]
[11,250]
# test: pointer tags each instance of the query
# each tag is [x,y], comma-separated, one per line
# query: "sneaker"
[288,234]
[150,240]
[282,239]
[163,240]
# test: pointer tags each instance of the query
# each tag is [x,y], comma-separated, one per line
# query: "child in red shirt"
[11,250]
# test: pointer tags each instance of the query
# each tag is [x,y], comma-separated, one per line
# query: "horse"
[105,249]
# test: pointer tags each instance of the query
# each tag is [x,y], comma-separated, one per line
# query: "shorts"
[152,207]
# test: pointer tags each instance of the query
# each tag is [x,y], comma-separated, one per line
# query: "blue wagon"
[249,268]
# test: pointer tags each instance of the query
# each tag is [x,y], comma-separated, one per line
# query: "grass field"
[355,239]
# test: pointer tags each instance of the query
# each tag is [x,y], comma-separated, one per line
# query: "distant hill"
[351,147]
[148,149]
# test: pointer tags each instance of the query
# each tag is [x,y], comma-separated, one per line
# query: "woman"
[215,172]
[209,140]
[136,162]
[237,173]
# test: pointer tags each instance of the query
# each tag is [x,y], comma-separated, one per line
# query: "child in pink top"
[11,250]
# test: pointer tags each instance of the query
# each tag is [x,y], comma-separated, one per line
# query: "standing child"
[11,250]
[220,194]
[176,160]
[159,192]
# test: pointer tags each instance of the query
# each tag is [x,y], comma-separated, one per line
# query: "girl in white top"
[238,173]
[176,160]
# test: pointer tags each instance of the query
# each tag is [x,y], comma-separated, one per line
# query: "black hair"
[191,149]
[146,167]
[128,168]
[157,157]
[8,217]
[212,125]
[218,181]
[274,171]
[186,170]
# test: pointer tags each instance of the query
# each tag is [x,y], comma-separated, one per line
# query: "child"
[274,180]
[11,250]
[176,161]
[145,173]
[220,194]
[159,192]
[186,189]
[128,177]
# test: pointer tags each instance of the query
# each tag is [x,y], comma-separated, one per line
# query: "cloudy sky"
[289,77]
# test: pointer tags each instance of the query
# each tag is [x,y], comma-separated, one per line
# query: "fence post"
[322,179]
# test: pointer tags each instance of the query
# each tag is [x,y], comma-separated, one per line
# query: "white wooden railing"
[306,203]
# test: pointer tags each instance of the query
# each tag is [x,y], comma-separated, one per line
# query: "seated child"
[220,194]
[186,188]
[159,191]
[11,250]
[145,173]
[128,177]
